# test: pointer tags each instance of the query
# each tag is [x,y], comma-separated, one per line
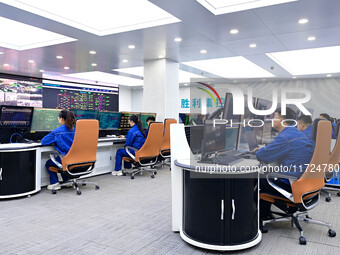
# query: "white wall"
[137,100]
[124,99]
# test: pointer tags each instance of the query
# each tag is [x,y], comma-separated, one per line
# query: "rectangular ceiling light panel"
[233,67]
[19,36]
[309,61]
[100,17]
[218,7]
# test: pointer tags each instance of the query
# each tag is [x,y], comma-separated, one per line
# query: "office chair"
[333,164]
[80,159]
[165,152]
[146,157]
[305,191]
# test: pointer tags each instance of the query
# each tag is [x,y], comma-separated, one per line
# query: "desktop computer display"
[263,104]
[124,121]
[45,119]
[144,116]
[84,114]
[231,138]
[243,144]
[19,117]
[267,133]
[214,138]
[109,120]
[228,109]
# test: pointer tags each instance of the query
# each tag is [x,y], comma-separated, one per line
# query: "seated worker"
[62,137]
[149,120]
[304,124]
[135,138]
[327,117]
[291,148]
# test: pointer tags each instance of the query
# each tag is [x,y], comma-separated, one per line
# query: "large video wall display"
[21,92]
[84,98]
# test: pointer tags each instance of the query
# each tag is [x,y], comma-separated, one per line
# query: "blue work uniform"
[135,139]
[308,132]
[62,138]
[333,131]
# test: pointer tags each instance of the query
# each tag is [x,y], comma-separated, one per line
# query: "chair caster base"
[331,233]
[78,192]
[97,187]
[132,177]
[264,229]
[54,192]
[328,199]
[152,176]
[338,194]
[302,240]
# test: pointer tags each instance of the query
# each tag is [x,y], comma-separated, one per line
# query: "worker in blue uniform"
[149,120]
[327,117]
[62,137]
[304,124]
[135,138]
[291,149]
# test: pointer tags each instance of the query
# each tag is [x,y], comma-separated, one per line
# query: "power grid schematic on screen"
[76,99]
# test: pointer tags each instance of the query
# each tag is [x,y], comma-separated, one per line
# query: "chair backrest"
[166,136]
[84,146]
[152,145]
[312,179]
[333,161]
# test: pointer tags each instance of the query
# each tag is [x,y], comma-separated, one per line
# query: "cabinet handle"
[233,206]
[0,174]
[222,209]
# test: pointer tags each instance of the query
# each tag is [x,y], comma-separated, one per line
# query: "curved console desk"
[213,208]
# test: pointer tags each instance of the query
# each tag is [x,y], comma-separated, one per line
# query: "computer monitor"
[144,116]
[109,120]
[18,117]
[195,134]
[214,138]
[228,109]
[231,138]
[263,104]
[182,118]
[252,141]
[124,121]
[84,114]
[267,132]
[243,143]
[45,119]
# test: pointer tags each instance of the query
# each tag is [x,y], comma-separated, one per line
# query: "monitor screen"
[143,118]
[109,120]
[228,109]
[267,132]
[243,144]
[124,121]
[231,138]
[214,138]
[263,104]
[84,114]
[16,117]
[45,119]
[182,118]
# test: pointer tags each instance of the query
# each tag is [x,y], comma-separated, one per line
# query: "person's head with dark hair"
[135,121]
[303,122]
[279,118]
[67,118]
[150,119]
[325,116]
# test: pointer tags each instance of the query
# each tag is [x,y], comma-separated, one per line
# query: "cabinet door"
[203,200]
[244,200]
[17,172]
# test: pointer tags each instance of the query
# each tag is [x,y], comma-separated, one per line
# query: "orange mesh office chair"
[305,191]
[146,157]
[165,152]
[333,164]
[80,159]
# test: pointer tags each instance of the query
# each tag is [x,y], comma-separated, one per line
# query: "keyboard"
[227,158]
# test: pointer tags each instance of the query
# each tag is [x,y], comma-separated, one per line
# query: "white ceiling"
[274,29]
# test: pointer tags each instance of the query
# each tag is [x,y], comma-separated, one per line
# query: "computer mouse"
[246,156]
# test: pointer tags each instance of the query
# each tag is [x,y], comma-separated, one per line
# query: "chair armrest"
[128,152]
[53,158]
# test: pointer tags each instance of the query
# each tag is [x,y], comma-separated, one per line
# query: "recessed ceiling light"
[66,68]
[92,52]
[234,31]
[203,51]
[131,46]
[329,75]
[294,77]
[1,53]
[41,70]
[303,21]
[235,81]
[160,56]
[252,45]
[6,64]
[125,61]
[93,64]
[59,57]
[100,19]
[311,38]
[185,84]
[30,61]
[178,39]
